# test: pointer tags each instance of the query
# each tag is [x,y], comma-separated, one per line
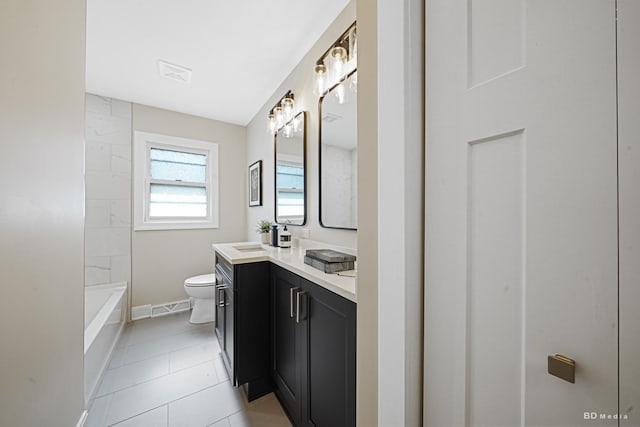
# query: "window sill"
[186,225]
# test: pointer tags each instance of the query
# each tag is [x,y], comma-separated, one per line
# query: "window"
[290,187]
[176,183]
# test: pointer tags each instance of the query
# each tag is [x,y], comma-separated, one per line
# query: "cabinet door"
[251,293]
[286,341]
[228,348]
[328,322]
[219,307]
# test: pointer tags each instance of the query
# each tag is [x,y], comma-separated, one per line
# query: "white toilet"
[202,290]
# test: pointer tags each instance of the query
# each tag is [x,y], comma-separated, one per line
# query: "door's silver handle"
[221,302]
[291,291]
[298,306]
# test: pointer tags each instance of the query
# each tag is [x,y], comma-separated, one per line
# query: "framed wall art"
[255,184]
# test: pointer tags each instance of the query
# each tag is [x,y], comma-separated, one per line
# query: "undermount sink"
[248,248]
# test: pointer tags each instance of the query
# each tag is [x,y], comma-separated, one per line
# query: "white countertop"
[291,259]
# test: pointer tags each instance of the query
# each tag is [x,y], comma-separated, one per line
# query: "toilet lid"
[202,280]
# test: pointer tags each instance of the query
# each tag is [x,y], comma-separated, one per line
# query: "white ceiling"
[239,51]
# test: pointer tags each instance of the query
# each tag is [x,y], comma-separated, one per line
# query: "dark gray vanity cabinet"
[242,324]
[313,359]
[286,339]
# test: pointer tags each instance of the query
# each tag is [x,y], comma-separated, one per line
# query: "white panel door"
[629,161]
[521,212]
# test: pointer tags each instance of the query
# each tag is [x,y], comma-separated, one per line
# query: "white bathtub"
[104,318]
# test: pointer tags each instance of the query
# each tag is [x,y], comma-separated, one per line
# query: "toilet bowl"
[202,290]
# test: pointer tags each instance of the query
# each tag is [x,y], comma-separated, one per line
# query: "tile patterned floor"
[167,372]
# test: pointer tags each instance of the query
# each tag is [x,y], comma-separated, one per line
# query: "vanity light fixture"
[338,62]
[320,80]
[273,125]
[287,107]
[282,114]
[279,116]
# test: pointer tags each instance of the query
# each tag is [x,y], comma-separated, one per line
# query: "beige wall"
[260,143]
[161,260]
[367,282]
[41,212]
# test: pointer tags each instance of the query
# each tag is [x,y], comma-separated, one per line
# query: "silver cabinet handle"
[221,301]
[298,306]
[291,291]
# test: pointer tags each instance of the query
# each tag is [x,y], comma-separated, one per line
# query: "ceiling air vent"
[330,117]
[174,71]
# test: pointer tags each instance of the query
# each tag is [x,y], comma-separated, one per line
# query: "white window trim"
[143,141]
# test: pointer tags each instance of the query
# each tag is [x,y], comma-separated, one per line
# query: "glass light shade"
[319,79]
[338,63]
[353,45]
[288,130]
[340,93]
[296,125]
[272,125]
[353,51]
[287,108]
[279,116]
[353,82]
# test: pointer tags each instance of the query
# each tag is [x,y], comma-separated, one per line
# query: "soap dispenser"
[285,238]
[274,235]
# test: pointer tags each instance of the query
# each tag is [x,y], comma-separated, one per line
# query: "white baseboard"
[146,311]
[141,312]
[83,419]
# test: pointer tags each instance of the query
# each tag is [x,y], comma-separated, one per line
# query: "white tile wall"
[120,214]
[97,270]
[97,213]
[98,156]
[338,203]
[108,190]
[120,268]
[111,241]
[97,104]
[120,108]
[108,185]
[108,129]
[121,158]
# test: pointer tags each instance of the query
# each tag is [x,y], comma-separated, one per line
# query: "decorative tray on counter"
[329,261]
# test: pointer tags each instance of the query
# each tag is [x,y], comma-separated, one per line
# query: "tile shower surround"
[108,190]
